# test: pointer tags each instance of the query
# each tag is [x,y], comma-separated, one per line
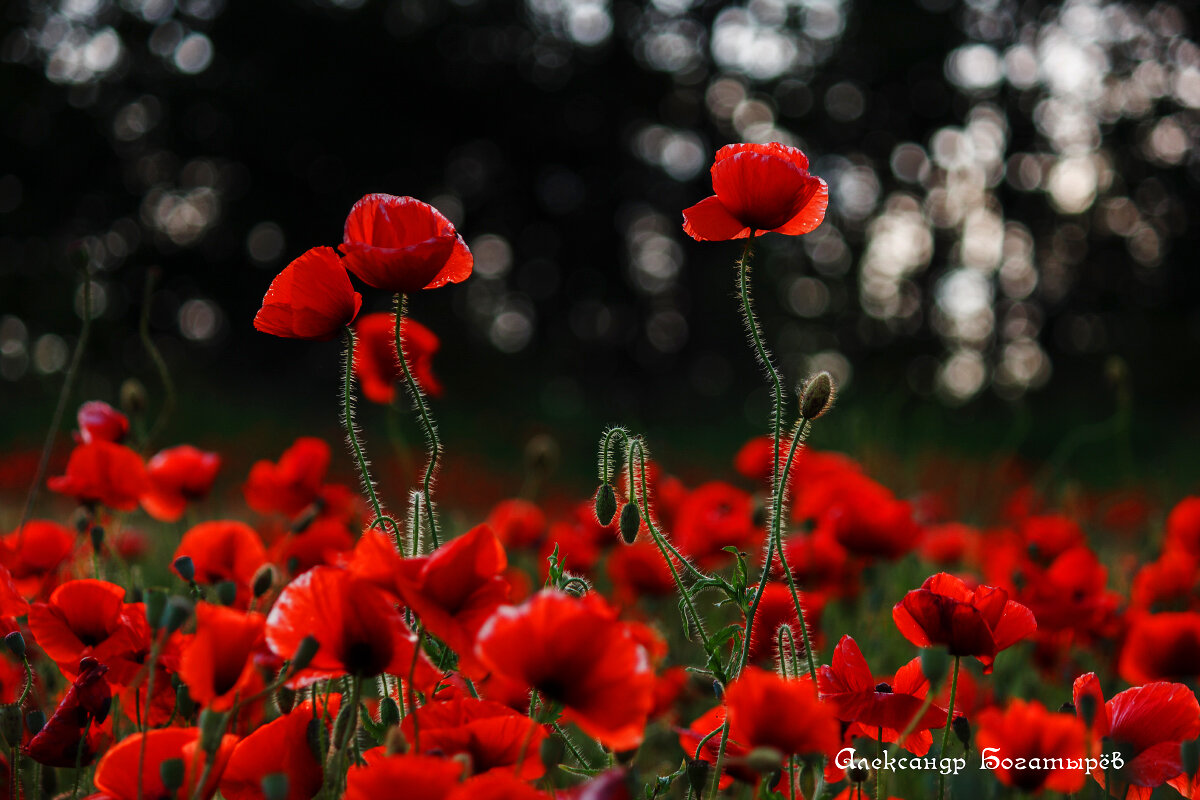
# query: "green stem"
[412,693]
[716,784]
[160,364]
[360,457]
[154,649]
[427,423]
[64,395]
[764,357]
[949,724]
[583,762]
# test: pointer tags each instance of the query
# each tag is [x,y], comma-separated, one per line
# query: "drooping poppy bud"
[264,579]
[185,568]
[631,520]
[16,644]
[606,504]
[697,775]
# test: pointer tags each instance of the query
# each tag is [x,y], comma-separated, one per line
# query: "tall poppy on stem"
[377,363]
[311,299]
[403,245]
[1028,731]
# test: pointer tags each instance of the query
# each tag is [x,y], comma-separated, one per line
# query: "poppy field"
[790,627]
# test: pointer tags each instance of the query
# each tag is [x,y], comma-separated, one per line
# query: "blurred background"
[1008,263]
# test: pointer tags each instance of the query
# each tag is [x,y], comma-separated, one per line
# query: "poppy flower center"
[883,688]
[363,659]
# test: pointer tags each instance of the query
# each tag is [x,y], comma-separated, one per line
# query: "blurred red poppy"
[400,244]
[1183,528]
[281,746]
[36,554]
[575,653]
[495,737]
[358,629]
[1147,724]
[87,700]
[105,473]
[714,516]
[776,610]
[293,483]
[1162,647]
[518,523]
[176,476]
[977,623]
[100,422]
[766,710]
[218,663]
[859,699]
[377,365]
[758,188]
[311,299]
[1028,731]
[224,550]
[423,777]
[117,775]
[322,542]
[91,618]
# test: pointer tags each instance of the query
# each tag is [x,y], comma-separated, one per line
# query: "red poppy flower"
[100,422]
[423,777]
[859,699]
[497,785]
[1048,536]
[1147,724]
[575,653]
[224,550]
[1183,527]
[91,618]
[178,475]
[1173,581]
[117,776]
[218,663]
[280,746]
[1070,593]
[714,516]
[357,627]
[766,710]
[400,244]
[311,299]
[639,571]
[758,188]
[293,483]
[950,543]
[735,753]
[456,589]
[863,515]
[321,543]
[977,623]
[1028,731]
[36,554]
[87,700]
[776,609]
[819,563]
[518,523]
[105,473]
[1162,647]
[494,736]
[377,365]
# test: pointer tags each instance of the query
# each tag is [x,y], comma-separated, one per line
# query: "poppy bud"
[156,603]
[16,644]
[183,701]
[97,534]
[226,592]
[817,395]
[1087,709]
[719,691]
[133,397]
[186,568]
[275,786]
[212,728]
[10,724]
[264,579]
[934,663]
[764,760]
[389,712]
[394,742]
[551,752]
[175,613]
[606,504]
[858,771]
[305,652]
[171,772]
[1189,751]
[631,520]
[697,775]
[343,724]
[34,721]
[285,699]
[962,729]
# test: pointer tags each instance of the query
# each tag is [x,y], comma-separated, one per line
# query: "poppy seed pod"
[631,520]
[226,593]
[606,504]
[186,568]
[171,772]
[858,771]
[16,644]
[817,396]
[34,721]
[962,729]
[264,579]
[275,786]
[97,536]
[697,775]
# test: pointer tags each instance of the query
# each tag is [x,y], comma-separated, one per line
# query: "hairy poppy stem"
[949,724]
[412,692]
[348,423]
[764,358]
[150,662]
[160,364]
[427,423]
[716,784]
[64,395]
